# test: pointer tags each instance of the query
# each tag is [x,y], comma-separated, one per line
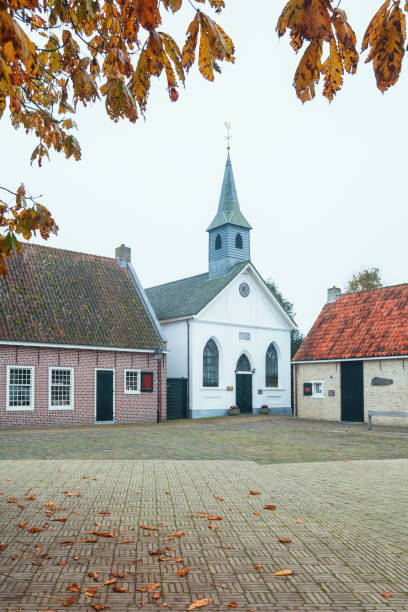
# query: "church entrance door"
[243,385]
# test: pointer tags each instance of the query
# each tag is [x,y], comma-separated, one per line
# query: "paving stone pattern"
[346,520]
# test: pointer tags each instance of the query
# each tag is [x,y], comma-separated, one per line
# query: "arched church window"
[210,364]
[271,367]
[218,242]
[238,241]
[243,364]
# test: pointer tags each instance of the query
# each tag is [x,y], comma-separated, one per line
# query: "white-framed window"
[20,388]
[61,388]
[317,388]
[132,381]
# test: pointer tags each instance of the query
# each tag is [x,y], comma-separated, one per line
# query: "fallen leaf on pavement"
[283,573]
[210,517]
[232,604]
[258,566]
[117,575]
[103,534]
[212,526]
[74,588]
[104,512]
[182,572]
[91,591]
[148,527]
[108,582]
[385,594]
[254,493]
[94,575]
[148,588]
[119,589]
[178,534]
[156,596]
[219,498]
[60,520]
[200,603]
[62,562]
[255,513]
[285,540]
[270,507]
[68,602]
[98,606]
[152,553]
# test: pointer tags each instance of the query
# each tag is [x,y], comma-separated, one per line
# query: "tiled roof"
[64,297]
[364,324]
[189,295]
[228,206]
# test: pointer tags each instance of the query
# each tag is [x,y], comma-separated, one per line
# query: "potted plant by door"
[233,410]
[264,409]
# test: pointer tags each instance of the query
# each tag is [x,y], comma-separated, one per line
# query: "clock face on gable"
[244,289]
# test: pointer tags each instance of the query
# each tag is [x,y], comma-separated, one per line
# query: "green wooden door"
[243,385]
[104,395]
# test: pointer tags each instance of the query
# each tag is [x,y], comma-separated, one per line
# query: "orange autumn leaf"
[283,573]
[104,512]
[200,603]
[111,581]
[94,575]
[60,520]
[385,594]
[210,517]
[119,589]
[74,587]
[103,534]
[91,591]
[254,493]
[212,526]
[117,574]
[148,527]
[98,607]
[62,562]
[148,588]
[285,540]
[255,513]
[156,596]
[232,604]
[68,602]
[258,566]
[270,507]
[182,572]
[178,534]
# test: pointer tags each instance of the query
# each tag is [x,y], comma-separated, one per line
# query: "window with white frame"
[61,388]
[132,381]
[20,388]
[317,388]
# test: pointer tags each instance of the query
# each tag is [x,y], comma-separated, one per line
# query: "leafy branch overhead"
[326,30]
[57,54]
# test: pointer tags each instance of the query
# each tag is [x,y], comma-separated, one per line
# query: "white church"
[228,337]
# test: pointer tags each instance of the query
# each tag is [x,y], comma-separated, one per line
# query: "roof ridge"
[52,248]
[375,289]
[179,280]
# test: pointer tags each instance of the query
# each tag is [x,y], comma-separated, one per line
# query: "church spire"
[228,206]
[228,233]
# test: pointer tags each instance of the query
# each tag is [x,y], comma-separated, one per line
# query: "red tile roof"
[364,324]
[64,297]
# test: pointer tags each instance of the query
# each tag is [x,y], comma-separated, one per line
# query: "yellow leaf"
[205,58]
[283,573]
[310,20]
[333,71]
[8,52]
[188,54]
[308,71]
[375,26]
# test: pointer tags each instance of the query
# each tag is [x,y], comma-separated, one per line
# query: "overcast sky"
[323,185]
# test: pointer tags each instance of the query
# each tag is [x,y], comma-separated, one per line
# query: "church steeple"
[229,242]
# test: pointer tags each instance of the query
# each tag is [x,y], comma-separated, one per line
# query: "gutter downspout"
[188,367]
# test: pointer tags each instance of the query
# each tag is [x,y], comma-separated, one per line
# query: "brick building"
[355,358]
[79,341]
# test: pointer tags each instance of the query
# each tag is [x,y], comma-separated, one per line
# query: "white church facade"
[228,337]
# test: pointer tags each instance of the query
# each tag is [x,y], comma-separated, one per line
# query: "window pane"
[20,387]
[210,365]
[132,380]
[243,364]
[60,388]
[271,367]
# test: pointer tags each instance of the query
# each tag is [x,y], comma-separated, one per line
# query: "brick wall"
[326,408]
[388,398]
[139,408]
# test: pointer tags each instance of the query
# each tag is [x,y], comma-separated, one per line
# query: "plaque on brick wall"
[331,393]
[381,382]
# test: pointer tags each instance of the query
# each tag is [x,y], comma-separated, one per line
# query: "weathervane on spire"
[228,137]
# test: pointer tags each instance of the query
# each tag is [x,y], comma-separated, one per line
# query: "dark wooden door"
[352,391]
[243,385]
[176,398]
[104,395]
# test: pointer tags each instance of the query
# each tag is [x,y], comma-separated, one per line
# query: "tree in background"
[57,54]
[296,338]
[364,280]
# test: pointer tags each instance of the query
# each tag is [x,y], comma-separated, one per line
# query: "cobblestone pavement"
[253,438]
[347,521]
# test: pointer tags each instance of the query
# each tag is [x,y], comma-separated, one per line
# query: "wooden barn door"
[352,391]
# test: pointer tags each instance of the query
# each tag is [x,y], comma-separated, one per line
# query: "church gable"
[247,301]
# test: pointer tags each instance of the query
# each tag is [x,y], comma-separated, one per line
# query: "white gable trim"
[265,289]
[240,325]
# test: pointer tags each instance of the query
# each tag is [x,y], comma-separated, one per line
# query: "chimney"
[333,293]
[122,254]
